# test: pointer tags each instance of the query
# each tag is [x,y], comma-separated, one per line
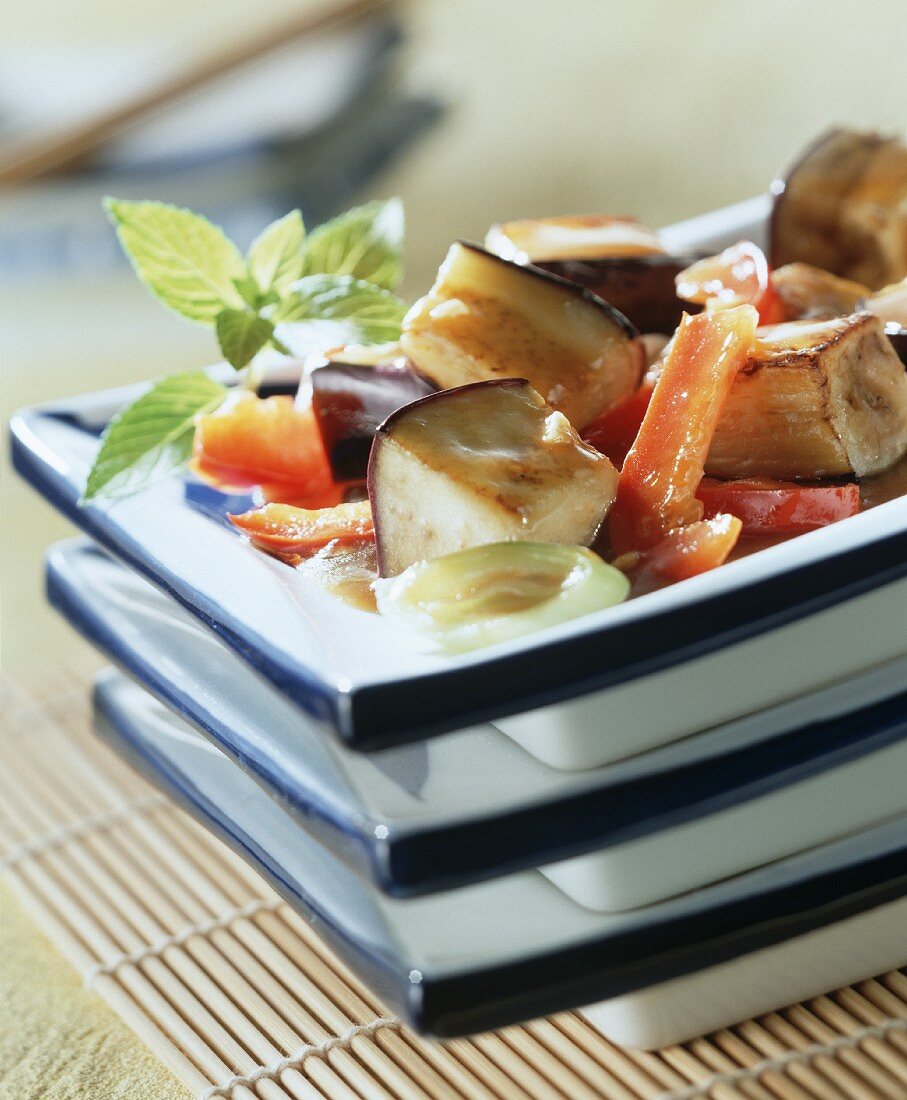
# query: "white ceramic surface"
[750,676]
[657,825]
[486,955]
[836,803]
[773,977]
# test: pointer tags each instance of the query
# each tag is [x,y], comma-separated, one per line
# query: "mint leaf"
[365,313]
[241,335]
[152,436]
[275,257]
[181,257]
[248,290]
[365,242]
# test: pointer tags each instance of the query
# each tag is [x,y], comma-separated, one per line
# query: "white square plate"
[765,628]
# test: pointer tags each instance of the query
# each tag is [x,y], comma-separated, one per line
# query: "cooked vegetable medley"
[572,415]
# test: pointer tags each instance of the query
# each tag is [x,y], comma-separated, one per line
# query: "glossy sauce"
[889,485]
[345,572]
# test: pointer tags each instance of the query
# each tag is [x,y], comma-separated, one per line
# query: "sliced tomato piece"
[770,307]
[294,534]
[657,488]
[266,442]
[779,507]
[613,432]
[738,276]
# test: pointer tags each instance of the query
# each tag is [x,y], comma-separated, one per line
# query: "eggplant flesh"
[488,462]
[487,318]
[574,237]
[843,208]
[816,399]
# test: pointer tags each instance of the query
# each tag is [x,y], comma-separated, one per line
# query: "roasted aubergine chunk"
[486,318]
[618,259]
[843,208]
[488,462]
[816,399]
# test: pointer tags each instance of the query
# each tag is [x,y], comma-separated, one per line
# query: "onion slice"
[499,591]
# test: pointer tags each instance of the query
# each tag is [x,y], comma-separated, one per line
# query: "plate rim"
[367,716]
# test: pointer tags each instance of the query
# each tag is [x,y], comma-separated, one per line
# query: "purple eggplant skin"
[350,401]
[573,287]
[387,427]
[640,287]
[898,338]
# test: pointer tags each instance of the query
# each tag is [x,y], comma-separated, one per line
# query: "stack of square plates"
[688,809]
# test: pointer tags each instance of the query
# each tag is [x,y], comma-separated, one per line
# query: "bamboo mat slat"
[242,1001]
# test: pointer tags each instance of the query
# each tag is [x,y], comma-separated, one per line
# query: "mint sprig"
[194,269]
[366,243]
[275,258]
[152,436]
[242,334]
[334,284]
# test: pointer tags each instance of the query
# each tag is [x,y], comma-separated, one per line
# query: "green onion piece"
[499,591]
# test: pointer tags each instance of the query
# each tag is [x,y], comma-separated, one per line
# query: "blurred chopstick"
[31,159]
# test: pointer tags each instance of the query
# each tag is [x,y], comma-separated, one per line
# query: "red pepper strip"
[613,432]
[293,534]
[266,442]
[687,551]
[779,507]
[657,488]
[740,274]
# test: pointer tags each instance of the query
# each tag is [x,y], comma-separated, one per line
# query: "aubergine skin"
[350,401]
[642,288]
[898,339]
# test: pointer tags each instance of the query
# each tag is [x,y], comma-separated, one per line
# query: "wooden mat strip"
[237,995]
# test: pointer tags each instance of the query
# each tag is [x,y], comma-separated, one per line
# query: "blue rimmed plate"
[757,631]
[488,955]
[473,805]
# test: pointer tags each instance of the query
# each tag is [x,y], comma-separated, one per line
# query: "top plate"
[369,679]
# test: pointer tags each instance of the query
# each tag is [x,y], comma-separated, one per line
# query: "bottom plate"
[786,973]
[488,955]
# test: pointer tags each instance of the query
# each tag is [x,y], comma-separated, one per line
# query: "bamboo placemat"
[241,1000]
